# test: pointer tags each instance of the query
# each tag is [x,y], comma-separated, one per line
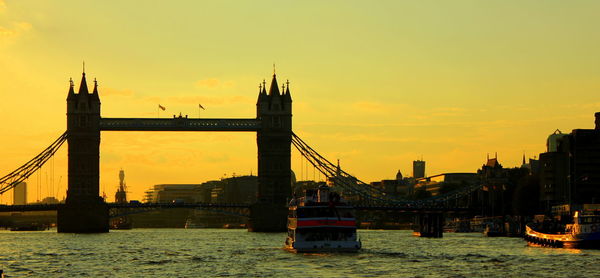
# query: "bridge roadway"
[50,207]
[411,208]
[178,124]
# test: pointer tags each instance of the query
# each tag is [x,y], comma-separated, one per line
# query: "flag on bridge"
[200,106]
[162,107]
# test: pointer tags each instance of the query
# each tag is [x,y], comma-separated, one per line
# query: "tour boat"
[583,233]
[321,222]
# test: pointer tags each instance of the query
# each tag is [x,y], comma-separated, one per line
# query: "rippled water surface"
[216,252]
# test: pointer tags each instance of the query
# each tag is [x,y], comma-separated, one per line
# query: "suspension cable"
[22,173]
[367,192]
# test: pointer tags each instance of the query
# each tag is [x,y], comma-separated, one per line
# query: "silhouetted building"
[168,193]
[534,167]
[20,194]
[554,179]
[554,140]
[50,200]
[570,170]
[446,182]
[418,169]
[399,176]
[554,172]
[390,187]
[583,147]
[494,179]
[404,186]
[242,189]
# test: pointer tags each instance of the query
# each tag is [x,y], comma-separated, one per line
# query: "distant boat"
[493,230]
[30,227]
[584,232]
[191,224]
[122,223]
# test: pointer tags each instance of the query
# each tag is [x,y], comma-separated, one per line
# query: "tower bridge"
[85,211]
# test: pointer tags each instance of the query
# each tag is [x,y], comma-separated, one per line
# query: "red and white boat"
[321,222]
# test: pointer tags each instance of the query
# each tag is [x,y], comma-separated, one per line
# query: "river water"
[220,252]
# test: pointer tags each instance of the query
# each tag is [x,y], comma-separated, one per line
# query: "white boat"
[191,224]
[584,232]
[321,222]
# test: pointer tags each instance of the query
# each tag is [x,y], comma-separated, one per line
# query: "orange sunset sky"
[376,84]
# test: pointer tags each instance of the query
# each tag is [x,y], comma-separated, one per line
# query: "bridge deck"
[178,124]
[47,207]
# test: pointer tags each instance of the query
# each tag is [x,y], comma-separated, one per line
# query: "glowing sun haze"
[375,84]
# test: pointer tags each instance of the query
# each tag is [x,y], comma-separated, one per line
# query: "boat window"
[301,213]
[330,234]
[324,212]
[346,213]
[589,220]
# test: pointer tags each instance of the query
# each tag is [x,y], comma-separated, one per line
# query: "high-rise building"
[418,169]
[583,146]
[20,194]
[570,169]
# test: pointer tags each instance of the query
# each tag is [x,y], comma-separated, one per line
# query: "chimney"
[597,120]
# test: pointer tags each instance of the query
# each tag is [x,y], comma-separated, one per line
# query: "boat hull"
[580,241]
[323,246]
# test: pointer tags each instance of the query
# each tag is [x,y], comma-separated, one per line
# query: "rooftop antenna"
[83,66]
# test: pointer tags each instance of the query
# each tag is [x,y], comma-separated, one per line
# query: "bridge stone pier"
[86,212]
[430,224]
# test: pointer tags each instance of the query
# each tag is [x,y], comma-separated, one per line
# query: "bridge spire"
[262,93]
[274,89]
[286,95]
[95,92]
[83,89]
[71,93]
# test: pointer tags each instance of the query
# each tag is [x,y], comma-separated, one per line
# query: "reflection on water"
[214,252]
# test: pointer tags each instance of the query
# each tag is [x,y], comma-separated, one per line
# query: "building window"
[276,121]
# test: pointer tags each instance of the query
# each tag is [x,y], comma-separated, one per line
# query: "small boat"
[493,230]
[30,227]
[121,223]
[190,223]
[321,222]
[584,232]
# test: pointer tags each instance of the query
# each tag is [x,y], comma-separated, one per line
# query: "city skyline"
[373,92]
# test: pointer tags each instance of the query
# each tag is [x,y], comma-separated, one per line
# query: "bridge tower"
[274,139]
[85,211]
